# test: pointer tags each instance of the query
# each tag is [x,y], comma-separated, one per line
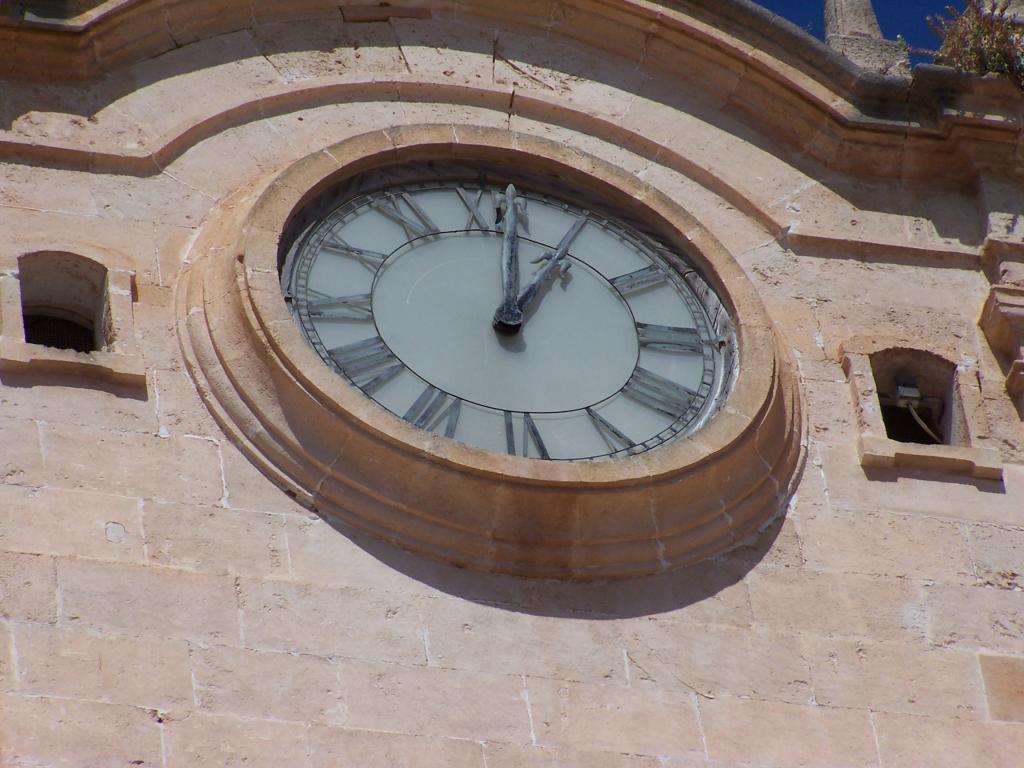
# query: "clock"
[493,350]
[510,319]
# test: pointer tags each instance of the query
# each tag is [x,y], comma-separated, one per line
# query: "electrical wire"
[922,425]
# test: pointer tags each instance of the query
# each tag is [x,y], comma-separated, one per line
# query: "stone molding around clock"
[874,446]
[117,359]
[344,456]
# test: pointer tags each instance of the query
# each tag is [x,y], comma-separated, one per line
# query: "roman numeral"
[335,243]
[355,307]
[510,435]
[631,282]
[426,406]
[368,363]
[612,435]
[669,337]
[428,411]
[476,215]
[530,432]
[659,393]
[421,226]
[531,436]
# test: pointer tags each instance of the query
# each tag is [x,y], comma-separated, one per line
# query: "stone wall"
[163,603]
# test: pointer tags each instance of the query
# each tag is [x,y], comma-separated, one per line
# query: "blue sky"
[896,17]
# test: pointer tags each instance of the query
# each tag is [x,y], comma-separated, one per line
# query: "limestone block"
[76,523]
[642,721]
[671,655]
[770,733]
[858,606]
[152,601]
[276,686]
[70,663]
[59,399]
[28,588]
[931,742]
[154,327]
[895,677]
[62,732]
[174,469]
[976,617]
[306,50]
[247,488]
[46,189]
[470,636]
[160,198]
[323,554]
[435,702]
[215,540]
[360,694]
[331,621]
[511,756]
[179,408]
[1004,685]
[885,544]
[333,747]
[996,551]
[7,674]
[197,740]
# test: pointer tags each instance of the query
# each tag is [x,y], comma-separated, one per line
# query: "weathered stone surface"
[787,734]
[857,606]
[923,742]
[161,602]
[215,540]
[330,747]
[895,677]
[197,740]
[171,469]
[81,523]
[996,551]
[884,544]
[71,663]
[36,730]
[1004,685]
[28,588]
[332,621]
[495,639]
[669,654]
[976,617]
[612,718]
[512,756]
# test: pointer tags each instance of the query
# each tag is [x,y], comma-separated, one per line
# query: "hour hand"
[509,317]
[541,276]
[556,260]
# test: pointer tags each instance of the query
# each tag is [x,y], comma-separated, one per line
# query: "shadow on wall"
[709,580]
[47,9]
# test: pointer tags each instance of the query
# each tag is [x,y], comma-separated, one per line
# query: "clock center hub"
[434,301]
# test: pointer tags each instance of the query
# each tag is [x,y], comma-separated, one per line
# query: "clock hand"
[555,260]
[509,317]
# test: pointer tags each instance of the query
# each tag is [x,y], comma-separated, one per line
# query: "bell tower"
[851,27]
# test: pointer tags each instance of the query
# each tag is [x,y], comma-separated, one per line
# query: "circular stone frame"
[347,458]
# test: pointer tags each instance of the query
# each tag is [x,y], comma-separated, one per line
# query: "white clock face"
[510,320]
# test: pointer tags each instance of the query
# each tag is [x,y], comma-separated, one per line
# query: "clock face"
[510,320]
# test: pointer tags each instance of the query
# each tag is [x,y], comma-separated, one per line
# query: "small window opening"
[64,301]
[917,392]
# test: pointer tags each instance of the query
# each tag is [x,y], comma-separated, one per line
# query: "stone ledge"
[983,463]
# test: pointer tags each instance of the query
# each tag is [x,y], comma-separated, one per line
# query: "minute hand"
[554,260]
[508,316]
